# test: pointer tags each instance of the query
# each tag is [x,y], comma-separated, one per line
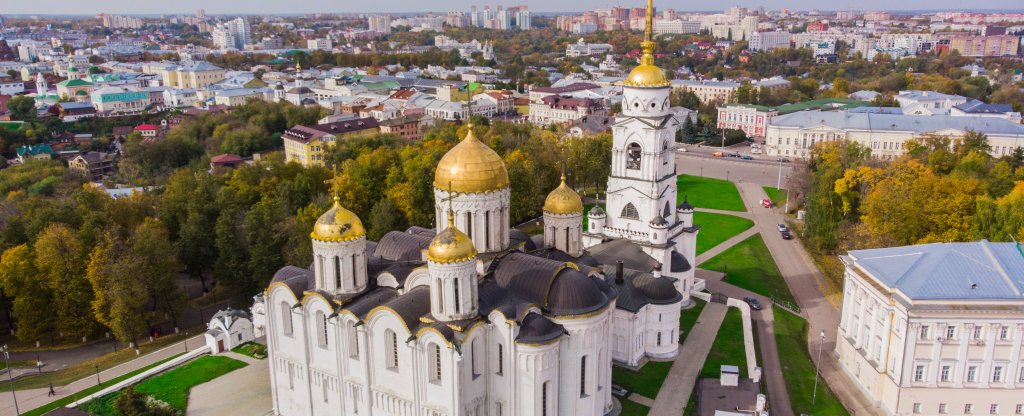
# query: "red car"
[767,203]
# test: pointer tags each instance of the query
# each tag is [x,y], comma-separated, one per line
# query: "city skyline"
[64,7]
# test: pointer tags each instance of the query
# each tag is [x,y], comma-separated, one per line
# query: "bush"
[133,403]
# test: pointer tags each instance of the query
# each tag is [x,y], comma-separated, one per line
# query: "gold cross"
[469,109]
[332,182]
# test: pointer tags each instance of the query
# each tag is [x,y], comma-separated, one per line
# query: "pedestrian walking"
[51,392]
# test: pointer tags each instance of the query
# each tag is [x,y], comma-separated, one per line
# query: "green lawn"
[631,408]
[42,410]
[749,265]
[645,382]
[716,228]
[252,349]
[173,386]
[688,319]
[798,369]
[778,196]
[728,347]
[710,193]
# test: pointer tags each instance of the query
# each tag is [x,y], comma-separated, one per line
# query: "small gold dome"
[338,224]
[646,76]
[471,167]
[451,245]
[563,200]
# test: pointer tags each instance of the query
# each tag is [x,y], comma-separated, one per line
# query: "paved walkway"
[31,399]
[243,392]
[807,285]
[678,386]
[725,245]
[771,367]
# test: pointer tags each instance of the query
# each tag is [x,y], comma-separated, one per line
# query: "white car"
[756,151]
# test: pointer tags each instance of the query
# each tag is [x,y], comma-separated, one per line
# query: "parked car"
[747,157]
[756,151]
[620,391]
[782,159]
[767,203]
[734,155]
[754,304]
[786,235]
[783,228]
[718,154]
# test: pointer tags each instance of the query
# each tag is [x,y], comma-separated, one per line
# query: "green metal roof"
[819,104]
[74,83]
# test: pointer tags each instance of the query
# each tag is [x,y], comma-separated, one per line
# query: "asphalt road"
[762,172]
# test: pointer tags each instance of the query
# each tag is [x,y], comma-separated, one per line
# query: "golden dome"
[563,200]
[451,245]
[646,76]
[471,167]
[338,224]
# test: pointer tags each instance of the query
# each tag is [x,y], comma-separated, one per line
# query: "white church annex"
[474,318]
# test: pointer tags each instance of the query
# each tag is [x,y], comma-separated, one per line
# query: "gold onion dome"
[338,224]
[451,245]
[563,200]
[647,74]
[471,167]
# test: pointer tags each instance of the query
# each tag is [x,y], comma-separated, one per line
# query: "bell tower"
[642,185]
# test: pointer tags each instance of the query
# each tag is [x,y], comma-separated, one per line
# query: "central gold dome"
[451,245]
[471,167]
[646,76]
[563,200]
[338,224]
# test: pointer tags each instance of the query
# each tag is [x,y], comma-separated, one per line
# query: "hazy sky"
[369,6]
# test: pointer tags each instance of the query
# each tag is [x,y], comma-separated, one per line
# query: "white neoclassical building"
[935,329]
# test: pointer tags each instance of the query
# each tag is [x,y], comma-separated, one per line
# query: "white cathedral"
[475,318]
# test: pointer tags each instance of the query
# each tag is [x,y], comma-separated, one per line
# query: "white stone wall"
[564,232]
[351,262]
[586,393]
[662,340]
[482,216]
[453,290]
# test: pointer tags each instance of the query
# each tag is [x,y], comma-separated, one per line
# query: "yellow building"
[308,144]
[193,75]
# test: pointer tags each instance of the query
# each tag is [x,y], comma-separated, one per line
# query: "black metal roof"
[399,246]
[536,328]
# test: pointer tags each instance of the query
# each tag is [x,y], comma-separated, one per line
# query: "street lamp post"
[817,365]
[97,366]
[10,377]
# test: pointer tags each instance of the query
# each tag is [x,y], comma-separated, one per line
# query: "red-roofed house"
[225,161]
[148,130]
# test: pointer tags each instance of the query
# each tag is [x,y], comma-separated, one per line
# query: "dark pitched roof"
[537,329]
[399,246]
[639,289]
[632,256]
[296,278]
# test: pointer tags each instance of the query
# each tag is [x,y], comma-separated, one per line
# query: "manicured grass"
[88,368]
[778,196]
[631,408]
[173,386]
[710,193]
[688,318]
[798,369]
[749,265]
[728,347]
[716,228]
[42,410]
[645,382]
[252,349]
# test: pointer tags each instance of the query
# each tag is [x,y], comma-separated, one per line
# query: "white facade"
[912,352]
[766,41]
[228,329]
[483,216]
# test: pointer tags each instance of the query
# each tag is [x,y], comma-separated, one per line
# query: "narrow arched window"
[353,341]
[501,359]
[435,362]
[667,211]
[455,287]
[583,376]
[321,326]
[633,156]
[629,212]
[391,346]
[337,273]
[286,318]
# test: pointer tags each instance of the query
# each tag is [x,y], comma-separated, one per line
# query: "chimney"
[618,273]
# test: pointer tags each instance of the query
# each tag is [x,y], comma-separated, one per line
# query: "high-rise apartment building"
[233,34]
[380,24]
